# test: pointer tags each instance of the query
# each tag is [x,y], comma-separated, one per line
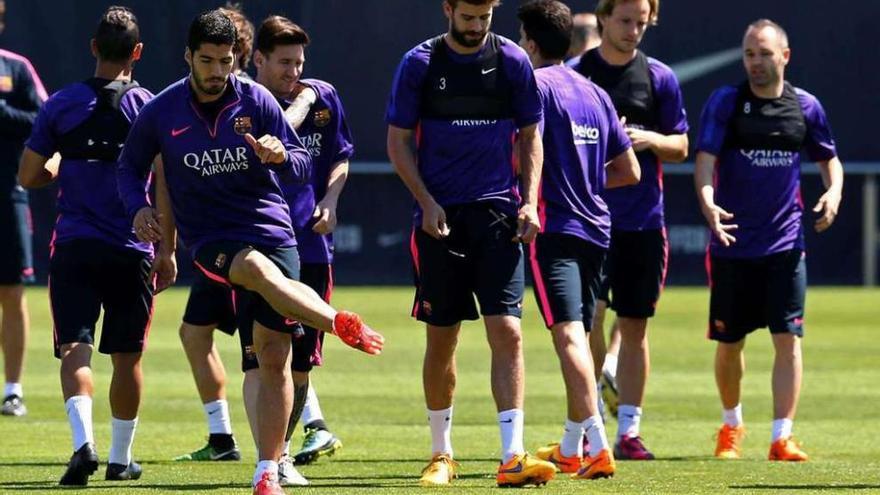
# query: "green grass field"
[375,406]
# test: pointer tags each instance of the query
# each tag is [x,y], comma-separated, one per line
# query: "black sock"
[317,424]
[222,441]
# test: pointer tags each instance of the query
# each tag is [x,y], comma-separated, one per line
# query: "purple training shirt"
[581,134]
[219,189]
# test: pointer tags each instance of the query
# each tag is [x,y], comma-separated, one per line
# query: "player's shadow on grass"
[32,463]
[834,486]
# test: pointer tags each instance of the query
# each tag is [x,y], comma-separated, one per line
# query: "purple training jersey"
[326,135]
[756,180]
[88,199]
[467,158]
[640,206]
[581,134]
[219,189]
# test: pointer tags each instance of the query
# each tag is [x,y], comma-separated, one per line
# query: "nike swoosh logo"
[178,132]
[289,322]
[213,412]
[507,421]
[697,67]
[516,469]
[488,71]
[214,457]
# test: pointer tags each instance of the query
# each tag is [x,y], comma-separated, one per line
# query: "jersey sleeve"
[819,143]
[133,101]
[43,139]
[527,107]
[133,173]
[406,91]
[670,103]
[17,120]
[714,119]
[344,147]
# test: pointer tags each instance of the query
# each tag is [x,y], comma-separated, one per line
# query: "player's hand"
[434,221]
[146,225]
[325,212]
[827,206]
[715,215]
[527,224]
[641,139]
[165,272]
[269,149]
[355,333]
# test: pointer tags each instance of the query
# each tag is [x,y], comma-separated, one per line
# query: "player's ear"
[187,55]
[447,10]
[136,52]
[786,55]
[93,45]
[259,59]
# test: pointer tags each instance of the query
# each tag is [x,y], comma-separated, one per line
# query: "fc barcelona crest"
[242,125]
[322,117]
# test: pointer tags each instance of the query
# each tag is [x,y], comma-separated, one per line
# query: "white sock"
[595,429]
[79,415]
[286,450]
[270,467]
[217,413]
[572,439]
[312,408]
[121,440]
[782,428]
[441,431]
[628,420]
[610,365]
[733,417]
[13,388]
[511,424]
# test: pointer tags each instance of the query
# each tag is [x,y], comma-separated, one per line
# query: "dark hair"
[454,3]
[211,26]
[277,30]
[548,24]
[117,34]
[244,43]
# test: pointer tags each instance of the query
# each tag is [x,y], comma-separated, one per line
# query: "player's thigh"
[128,303]
[286,261]
[497,262]
[786,292]
[74,297]
[735,304]
[444,293]
[637,272]
[557,281]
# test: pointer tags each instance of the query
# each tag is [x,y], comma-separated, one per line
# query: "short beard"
[206,90]
[459,37]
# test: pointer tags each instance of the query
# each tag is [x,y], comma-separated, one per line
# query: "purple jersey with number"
[219,189]
[470,158]
[640,206]
[326,135]
[581,134]
[88,199]
[755,180]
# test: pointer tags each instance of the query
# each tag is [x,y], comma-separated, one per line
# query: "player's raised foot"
[523,470]
[728,445]
[82,464]
[610,395]
[13,405]
[288,474]
[352,330]
[553,454]
[632,449]
[317,443]
[600,466]
[787,449]
[213,452]
[268,485]
[440,471]
[121,472]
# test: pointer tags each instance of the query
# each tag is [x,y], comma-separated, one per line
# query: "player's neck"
[461,49]
[769,92]
[113,71]
[613,56]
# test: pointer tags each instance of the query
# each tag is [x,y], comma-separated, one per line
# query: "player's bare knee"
[11,295]
[273,358]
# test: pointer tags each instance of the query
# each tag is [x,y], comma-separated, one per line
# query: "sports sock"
[270,467]
[312,409]
[441,431]
[595,429]
[511,424]
[79,415]
[610,365]
[733,417]
[286,449]
[782,428]
[572,439]
[121,439]
[629,419]
[13,388]
[217,413]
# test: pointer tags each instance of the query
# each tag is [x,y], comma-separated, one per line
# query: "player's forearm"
[704,173]
[623,170]
[403,159]
[336,182]
[36,170]
[832,174]
[672,148]
[531,157]
[299,108]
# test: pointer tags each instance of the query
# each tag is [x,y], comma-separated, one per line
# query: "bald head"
[768,29]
